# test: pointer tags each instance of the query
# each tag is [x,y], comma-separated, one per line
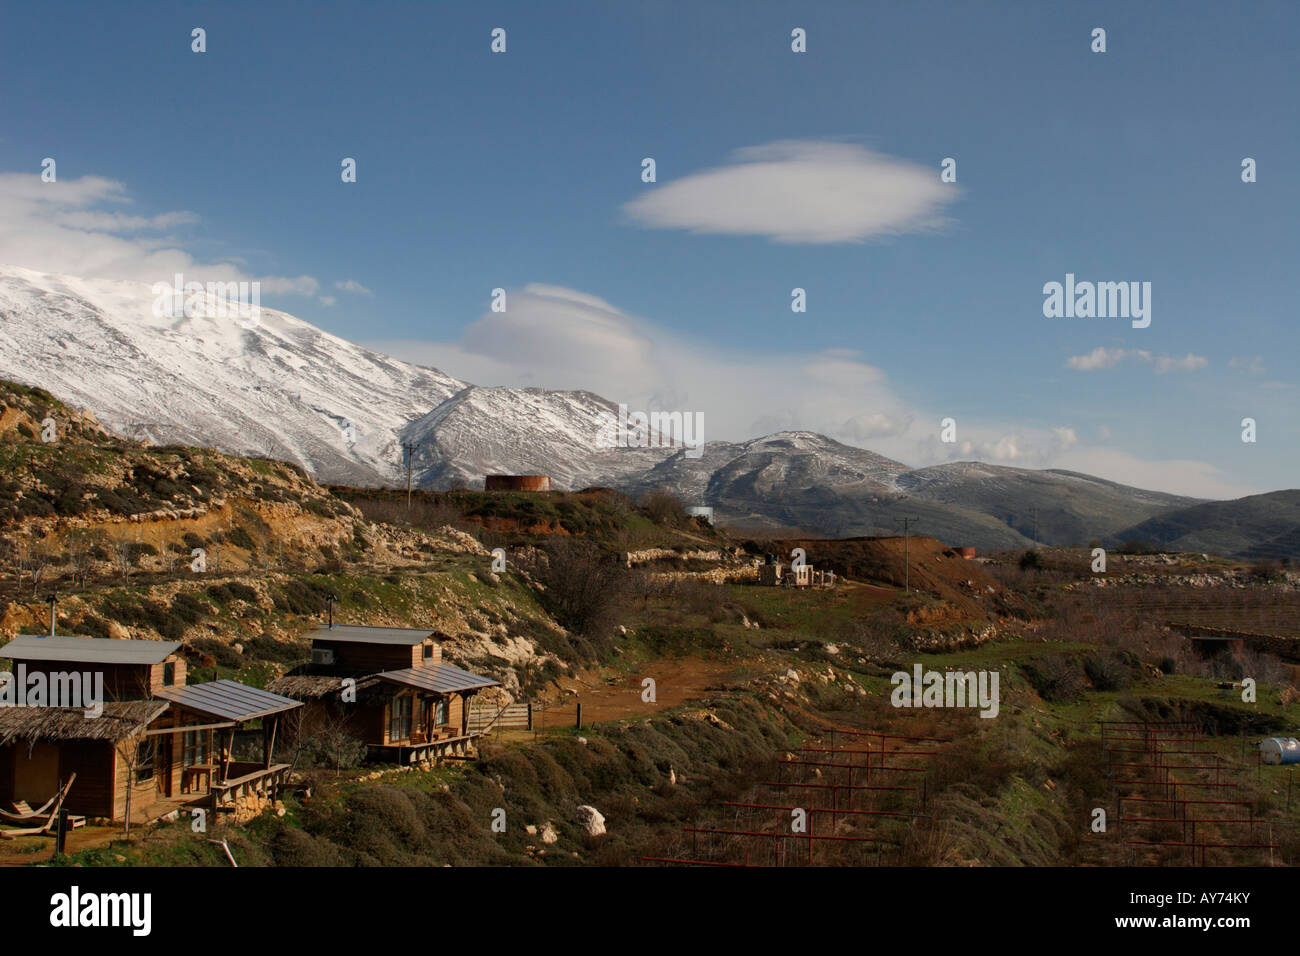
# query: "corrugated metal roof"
[228,699]
[356,634]
[441,678]
[97,650]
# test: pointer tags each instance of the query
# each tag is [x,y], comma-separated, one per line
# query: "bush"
[240,538]
[1056,678]
[1031,561]
[583,586]
[1107,671]
[664,508]
[242,592]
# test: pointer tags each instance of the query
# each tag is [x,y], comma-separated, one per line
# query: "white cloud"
[1104,358]
[352,285]
[801,191]
[71,227]
[1188,363]
[553,337]
[1251,366]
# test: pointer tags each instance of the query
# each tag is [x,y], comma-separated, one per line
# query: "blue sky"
[479,170]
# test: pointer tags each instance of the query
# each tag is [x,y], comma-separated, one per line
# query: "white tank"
[1276,750]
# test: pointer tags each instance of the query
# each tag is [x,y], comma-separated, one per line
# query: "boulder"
[591,820]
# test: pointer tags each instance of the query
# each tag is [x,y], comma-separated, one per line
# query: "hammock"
[49,811]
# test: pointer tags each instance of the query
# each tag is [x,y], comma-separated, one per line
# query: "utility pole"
[410,452]
[907,566]
[1034,512]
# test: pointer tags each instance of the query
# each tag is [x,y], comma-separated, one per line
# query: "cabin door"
[36,778]
[163,765]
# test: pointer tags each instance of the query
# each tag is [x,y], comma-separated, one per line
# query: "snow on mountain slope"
[570,436]
[283,389]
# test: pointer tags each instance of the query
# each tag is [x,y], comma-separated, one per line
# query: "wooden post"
[578,725]
[269,740]
[60,832]
[228,756]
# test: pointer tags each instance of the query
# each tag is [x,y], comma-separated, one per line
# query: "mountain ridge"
[286,389]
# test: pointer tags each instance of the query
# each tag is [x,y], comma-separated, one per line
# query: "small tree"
[583,586]
[664,508]
[123,558]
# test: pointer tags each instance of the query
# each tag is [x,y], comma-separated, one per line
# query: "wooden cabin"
[158,744]
[132,670]
[390,688]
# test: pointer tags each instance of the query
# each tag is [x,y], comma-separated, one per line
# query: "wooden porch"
[459,746]
[247,777]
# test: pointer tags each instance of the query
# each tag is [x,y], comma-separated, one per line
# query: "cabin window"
[144,761]
[169,673]
[399,724]
[428,652]
[440,713]
[196,748]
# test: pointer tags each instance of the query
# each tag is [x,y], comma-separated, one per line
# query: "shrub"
[664,508]
[1107,671]
[583,585]
[1056,678]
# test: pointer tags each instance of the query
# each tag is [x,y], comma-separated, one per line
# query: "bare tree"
[583,586]
[170,559]
[32,560]
[123,557]
[81,550]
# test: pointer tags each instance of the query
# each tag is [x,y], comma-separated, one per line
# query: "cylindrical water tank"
[516,483]
[1279,750]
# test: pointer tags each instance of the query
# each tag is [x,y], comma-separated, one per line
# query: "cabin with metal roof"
[131,670]
[155,745]
[389,687]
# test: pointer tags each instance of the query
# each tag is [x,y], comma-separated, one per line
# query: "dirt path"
[677,680]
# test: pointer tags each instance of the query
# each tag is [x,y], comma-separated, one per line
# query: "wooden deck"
[446,748]
[247,778]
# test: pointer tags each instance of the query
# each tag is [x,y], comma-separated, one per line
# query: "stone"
[591,820]
[550,836]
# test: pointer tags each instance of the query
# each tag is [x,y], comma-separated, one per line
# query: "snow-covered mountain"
[571,436]
[283,388]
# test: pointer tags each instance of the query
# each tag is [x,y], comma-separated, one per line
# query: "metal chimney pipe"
[331,604]
[54,601]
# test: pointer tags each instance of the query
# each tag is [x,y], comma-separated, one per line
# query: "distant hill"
[1258,526]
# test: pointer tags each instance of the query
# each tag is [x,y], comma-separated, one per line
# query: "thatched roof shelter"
[120,720]
[314,686]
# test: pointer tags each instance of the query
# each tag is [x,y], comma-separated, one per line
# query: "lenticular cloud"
[801,192]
